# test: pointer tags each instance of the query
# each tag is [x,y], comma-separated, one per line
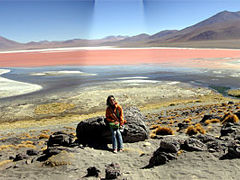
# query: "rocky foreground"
[195,142]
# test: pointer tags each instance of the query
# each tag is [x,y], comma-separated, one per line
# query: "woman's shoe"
[120,150]
[115,151]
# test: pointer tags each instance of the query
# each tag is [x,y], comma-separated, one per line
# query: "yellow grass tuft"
[3,147]
[40,143]
[164,131]
[74,134]
[70,128]
[53,108]
[27,142]
[229,117]
[43,136]
[4,162]
[45,131]
[44,148]
[154,126]
[200,128]
[153,135]
[192,130]
[25,136]
[25,146]
[210,121]
[179,152]
[187,120]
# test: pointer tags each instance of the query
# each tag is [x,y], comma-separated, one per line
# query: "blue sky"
[36,20]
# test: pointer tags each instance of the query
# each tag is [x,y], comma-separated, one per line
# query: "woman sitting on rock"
[114,115]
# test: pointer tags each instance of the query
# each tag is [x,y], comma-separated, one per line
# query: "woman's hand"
[116,122]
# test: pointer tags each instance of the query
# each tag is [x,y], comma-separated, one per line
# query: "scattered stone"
[193,144]
[147,144]
[60,139]
[159,158]
[32,152]
[20,157]
[229,118]
[233,152]
[95,131]
[56,150]
[208,117]
[63,158]
[230,129]
[11,157]
[230,102]
[93,171]
[182,126]
[205,137]
[169,146]
[112,171]
[28,161]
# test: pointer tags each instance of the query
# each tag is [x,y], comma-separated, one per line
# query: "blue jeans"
[117,141]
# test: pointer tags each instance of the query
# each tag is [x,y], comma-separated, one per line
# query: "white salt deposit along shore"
[10,88]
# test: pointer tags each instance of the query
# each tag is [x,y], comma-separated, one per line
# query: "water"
[65,80]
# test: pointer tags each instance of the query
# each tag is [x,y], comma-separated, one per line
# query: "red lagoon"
[209,58]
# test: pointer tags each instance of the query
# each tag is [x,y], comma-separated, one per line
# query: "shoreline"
[11,88]
[104,48]
[168,57]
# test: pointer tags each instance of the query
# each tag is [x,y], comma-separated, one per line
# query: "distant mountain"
[6,43]
[220,30]
[222,26]
[163,34]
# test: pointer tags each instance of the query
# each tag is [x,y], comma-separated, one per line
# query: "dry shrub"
[230,117]
[210,121]
[171,122]
[192,130]
[4,162]
[3,138]
[179,152]
[40,143]
[45,131]
[164,131]
[54,108]
[44,148]
[25,136]
[187,121]
[27,142]
[74,134]
[153,135]
[3,147]
[43,136]
[209,128]
[200,128]
[70,128]
[25,146]
[154,126]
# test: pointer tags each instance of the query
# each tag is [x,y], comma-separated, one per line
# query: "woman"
[114,115]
